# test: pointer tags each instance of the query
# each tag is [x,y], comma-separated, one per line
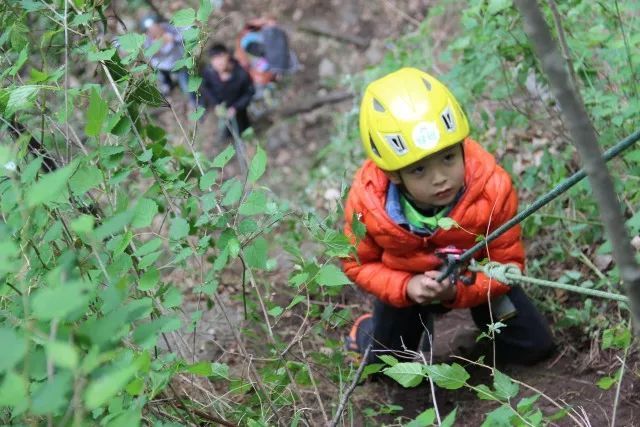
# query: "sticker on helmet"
[426,135]
[448,120]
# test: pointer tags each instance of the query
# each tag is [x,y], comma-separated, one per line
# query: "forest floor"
[568,377]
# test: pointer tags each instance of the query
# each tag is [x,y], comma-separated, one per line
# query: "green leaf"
[451,377]
[147,93]
[202,369]
[13,390]
[619,338]
[22,58]
[233,193]
[499,417]
[108,385]
[223,158]
[144,212]
[389,360]
[114,225]
[427,418]
[130,418]
[50,187]
[330,275]
[179,228]
[258,165]
[101,55]
[52,396]
[146,334]
[196,115]
[605,383]
[208,179]
[184,17]
[254,204]
[220,370]
[204,11]
[149,280]
[484,393]
[194,83]
[447,223]
[58,301]
[172,298]
[131,42]
[505,388]
[407,374]
[29,173]
[276,311]
[149,247]
[358,228]
[496,6]
[255,255]
[450,419]
[14,348]
[85,178]
[96,115]
[525,404]
[20,98]
[62,354]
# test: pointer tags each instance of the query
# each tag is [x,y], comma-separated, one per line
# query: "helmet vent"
[377,106]
[373,147]
[427,84]
[447,119]
[396,142]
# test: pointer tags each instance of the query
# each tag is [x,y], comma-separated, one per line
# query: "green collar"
[418,219]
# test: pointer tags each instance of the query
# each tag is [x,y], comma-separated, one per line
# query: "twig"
[312,104]
[618,388]
[315,387]
[321,30]
[351,388]
[431,384]
[557,20]
[205,415]
[403,14]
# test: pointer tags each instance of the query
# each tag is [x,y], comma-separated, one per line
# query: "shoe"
[361,334]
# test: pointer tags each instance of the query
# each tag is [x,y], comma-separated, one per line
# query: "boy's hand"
[425,289]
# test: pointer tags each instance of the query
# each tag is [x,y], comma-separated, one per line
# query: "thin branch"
[557,20]
[352,387]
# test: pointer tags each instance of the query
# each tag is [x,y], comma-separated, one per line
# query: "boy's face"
[435,180]
[221,62]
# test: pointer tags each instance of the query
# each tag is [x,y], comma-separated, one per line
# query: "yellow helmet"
[408,115]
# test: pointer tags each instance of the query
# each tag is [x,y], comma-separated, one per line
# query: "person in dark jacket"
[226,83]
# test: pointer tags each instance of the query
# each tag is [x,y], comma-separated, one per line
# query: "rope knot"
[499,272]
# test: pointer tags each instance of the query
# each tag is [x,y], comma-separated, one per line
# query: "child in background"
[422,167]
[169,52]
[226,83]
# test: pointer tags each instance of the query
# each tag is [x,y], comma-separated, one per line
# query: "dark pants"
[525,339]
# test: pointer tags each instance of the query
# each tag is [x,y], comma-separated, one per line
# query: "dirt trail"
[568,377]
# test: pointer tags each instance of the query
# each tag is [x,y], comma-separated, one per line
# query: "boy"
[226,83]
[422,167]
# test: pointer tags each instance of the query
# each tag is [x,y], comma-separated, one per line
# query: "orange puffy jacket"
[389,255]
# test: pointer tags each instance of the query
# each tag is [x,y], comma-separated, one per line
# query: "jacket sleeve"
[247,93]
[367,270]
[506,249]
[211,99]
